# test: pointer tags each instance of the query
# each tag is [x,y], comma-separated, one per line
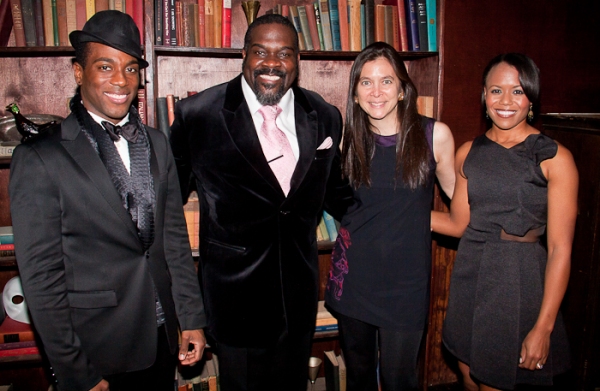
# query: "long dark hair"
[529,77]
[412,150]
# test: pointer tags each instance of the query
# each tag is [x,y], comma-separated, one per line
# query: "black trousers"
[281,367]
[160,376]
[369,350]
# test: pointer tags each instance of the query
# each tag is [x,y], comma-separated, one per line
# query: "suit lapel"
[78,146]
[243,133]
[307,132]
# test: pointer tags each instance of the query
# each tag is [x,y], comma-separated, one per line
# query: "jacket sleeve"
[36,214]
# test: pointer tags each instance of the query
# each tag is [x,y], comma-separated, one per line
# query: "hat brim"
[78,37]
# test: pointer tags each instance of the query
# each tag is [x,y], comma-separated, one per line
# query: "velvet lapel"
[307,132]
[241,129]
[78,146]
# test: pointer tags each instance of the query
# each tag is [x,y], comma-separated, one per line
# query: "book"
[212,375]
[101,5]
[80,13]
[32,350]
[226,24]
[6,22]
[209,22]
[17,345]
[312,26]
[61,18]
[17,17]
[363,32]
[28,22]
[14,331]
[402,34]
[166,22]
[343,21]
[334,19]
[307,34]
[425,105]
[379,23]
[48,22]
[432,25]
[329,222]
[412,25]
[394,33]
[159,6]
[332,371]
[355,25]
[295,18]
[326,24]
[141,96]
[217,23]
[171,108]
[319,24]
[7,150]
[38,16]
[323,230]
[187,14]
[342,371]
[423,24]
[71,16]
[369,22]
[90,8]
[55,25]
[172,25]
[7,246]
[388,25]
[201,23]
[120,5]
[138,16]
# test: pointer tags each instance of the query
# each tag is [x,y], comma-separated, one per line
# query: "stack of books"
[200,377]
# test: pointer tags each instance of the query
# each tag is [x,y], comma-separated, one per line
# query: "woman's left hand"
[534,350]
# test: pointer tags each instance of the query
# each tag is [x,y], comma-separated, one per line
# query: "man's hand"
[102,386]
[196,338]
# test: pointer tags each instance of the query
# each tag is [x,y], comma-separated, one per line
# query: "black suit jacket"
[87,281]
[258,248]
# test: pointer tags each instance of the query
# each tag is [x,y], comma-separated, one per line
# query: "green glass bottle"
[25,127]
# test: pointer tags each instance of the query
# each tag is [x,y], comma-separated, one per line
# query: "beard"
[268,94]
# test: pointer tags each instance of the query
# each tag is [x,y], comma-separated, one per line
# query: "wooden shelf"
[39,51]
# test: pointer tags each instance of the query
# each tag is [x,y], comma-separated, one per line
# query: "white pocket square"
[326,144]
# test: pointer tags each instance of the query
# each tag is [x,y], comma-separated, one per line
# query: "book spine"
[6,150]
[186,33]
[48,23]
[28,22]
[355,26]
[319,25]
[379,23]
[217,22]
[20,352]
[142,105]
[71,16]
[172,23]
[395,28]
[119,5]
[138,17]
[209,19]
[101,5]
[17,17]
[423,28]
[80,14]
[334,17]
[162,115]
[38,15]
[166,23]
[158,22]
[363,29]
[7,246]
[294,17]
[111,5]
[55,22]
[201,23]
[90,8]
[330,225]
[412,25]
[179,24]
[302,17]
[369,22]
[343,21]
[226,24]
[61,16]
[404,46]
[17,345]
[432,25]
[171,108]
[313,27]
[6,22]
[326,22]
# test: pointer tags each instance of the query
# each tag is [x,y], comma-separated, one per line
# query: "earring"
[400,98]
[487,116]
[356,100]
[530,114]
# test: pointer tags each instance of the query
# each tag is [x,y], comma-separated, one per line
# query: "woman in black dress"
[379,280]
[512,185]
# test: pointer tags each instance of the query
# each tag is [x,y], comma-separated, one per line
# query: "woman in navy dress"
[513,184]
[379,281]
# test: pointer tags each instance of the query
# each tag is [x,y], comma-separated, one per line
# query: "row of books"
[17,341]
[7,242]
[194,23]
[49,22]
[325,321]
[351,25]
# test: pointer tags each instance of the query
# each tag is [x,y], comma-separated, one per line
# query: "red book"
[6,22]
[201,24]
[402,27]
[17,17]
[142,105]
[61,12]
[102,5]
[344,29]
[138,16]
[17,345]
[80,14]
[226,24]
[7,246]
[33,350]
[14,331]
[171,108]
[312,27]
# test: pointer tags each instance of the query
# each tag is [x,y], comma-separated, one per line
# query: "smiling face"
[270,62]
[506,102]
[377,92]
[109,82]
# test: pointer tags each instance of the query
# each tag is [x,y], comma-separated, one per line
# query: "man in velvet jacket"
[100,235]
[258,248]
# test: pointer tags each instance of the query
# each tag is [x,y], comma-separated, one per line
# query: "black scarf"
[136,190]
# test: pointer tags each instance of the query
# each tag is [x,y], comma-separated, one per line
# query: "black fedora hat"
[112,28]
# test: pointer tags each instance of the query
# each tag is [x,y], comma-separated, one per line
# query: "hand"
[196,338]
[534,350]
[102,386]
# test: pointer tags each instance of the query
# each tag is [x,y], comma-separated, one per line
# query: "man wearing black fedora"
[100,235]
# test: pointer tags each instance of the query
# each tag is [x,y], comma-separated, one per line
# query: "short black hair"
[271,19]
[529,76]
[82,52]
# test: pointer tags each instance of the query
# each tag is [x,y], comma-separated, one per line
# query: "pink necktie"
[276,148]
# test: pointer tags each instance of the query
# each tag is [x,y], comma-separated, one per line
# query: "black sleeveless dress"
[381,261]
[496,287]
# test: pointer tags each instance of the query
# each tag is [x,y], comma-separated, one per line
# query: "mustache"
[269,71]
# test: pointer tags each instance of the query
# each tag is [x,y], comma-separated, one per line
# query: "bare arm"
[562,211]
[455,222]
[443,150]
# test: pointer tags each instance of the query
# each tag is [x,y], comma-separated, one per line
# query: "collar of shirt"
[286,121]
[122,145]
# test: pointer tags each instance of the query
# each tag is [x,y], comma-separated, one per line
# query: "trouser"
[369,350]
